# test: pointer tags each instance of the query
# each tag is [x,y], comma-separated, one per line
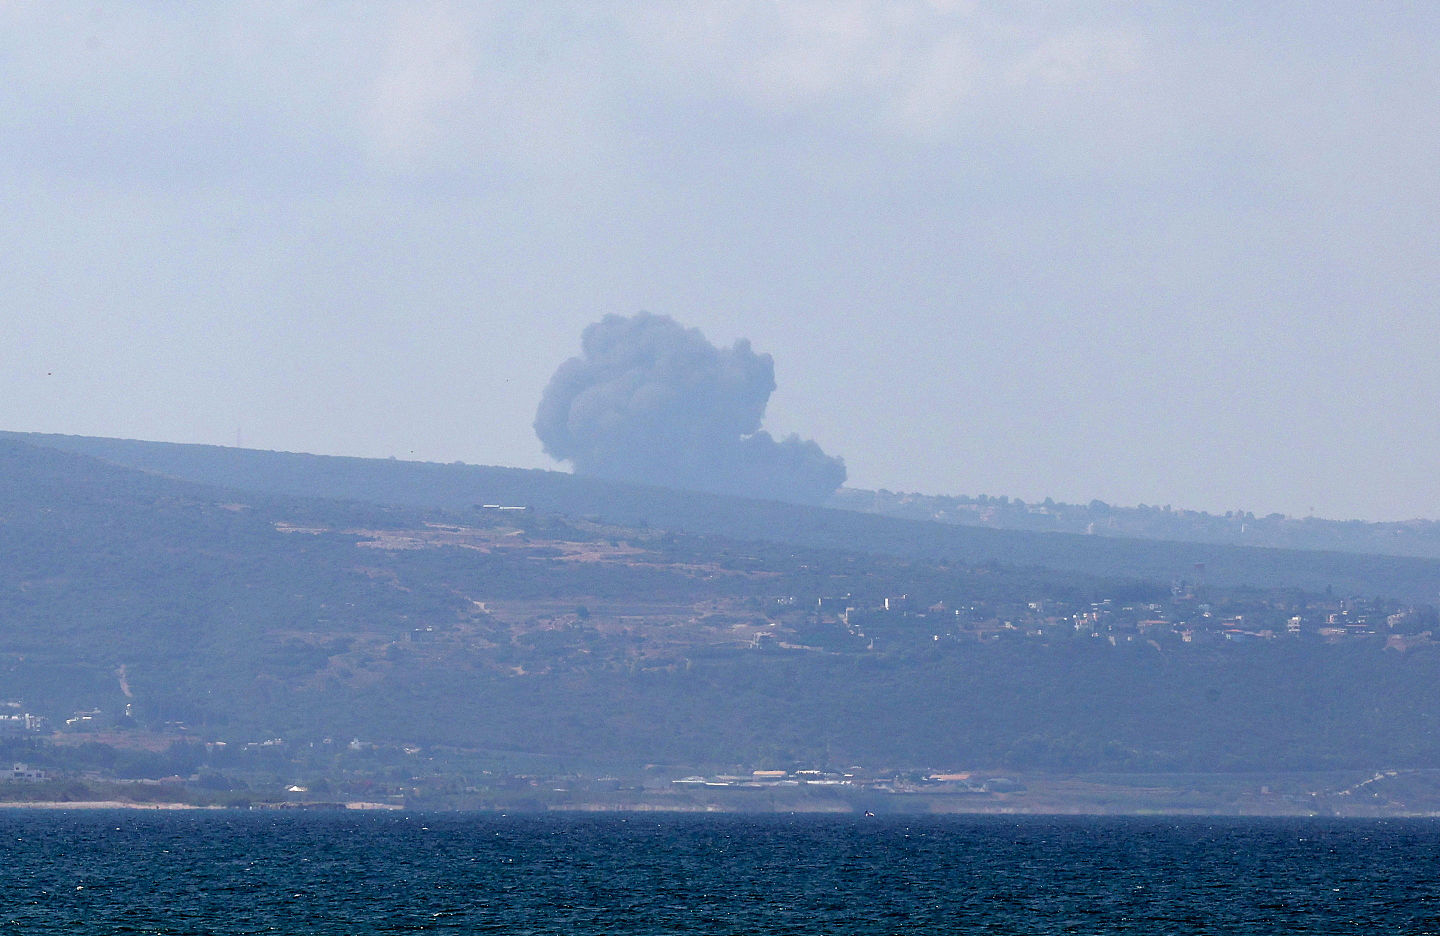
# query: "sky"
[1141,252]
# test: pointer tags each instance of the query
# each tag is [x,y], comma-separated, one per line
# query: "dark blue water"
[135,872]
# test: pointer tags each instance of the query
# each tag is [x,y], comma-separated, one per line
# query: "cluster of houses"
[1184,618]
[23,773]
[856,778]
[14,720]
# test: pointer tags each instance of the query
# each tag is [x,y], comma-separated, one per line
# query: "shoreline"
[57,805]
[1050,810]
[100,804]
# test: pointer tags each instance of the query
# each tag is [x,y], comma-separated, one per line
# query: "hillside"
[1235,528]
[142,608]
[460,487]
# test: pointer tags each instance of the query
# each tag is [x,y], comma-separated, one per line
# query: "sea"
[174,872]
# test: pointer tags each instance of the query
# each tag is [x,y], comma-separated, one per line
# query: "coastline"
[1360,794]
[639,806]
[359,806]
[99,804]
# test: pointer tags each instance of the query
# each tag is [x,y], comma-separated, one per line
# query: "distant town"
[189,643]
[1184,617]
[1235,527]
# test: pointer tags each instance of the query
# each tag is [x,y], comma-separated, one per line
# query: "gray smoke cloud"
[652,401]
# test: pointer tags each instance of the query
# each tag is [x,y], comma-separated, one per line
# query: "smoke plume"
[651,401]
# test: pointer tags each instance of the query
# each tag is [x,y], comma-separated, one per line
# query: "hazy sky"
[1163,253]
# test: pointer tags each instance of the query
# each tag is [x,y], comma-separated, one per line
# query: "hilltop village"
[1183,617]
